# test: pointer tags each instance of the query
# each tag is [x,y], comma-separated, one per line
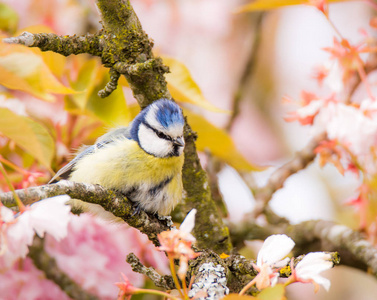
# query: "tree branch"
[248,70]
[354,249]
[110,200]
[64,45]
[166,282]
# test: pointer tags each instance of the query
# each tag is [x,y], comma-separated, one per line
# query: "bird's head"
[158,129]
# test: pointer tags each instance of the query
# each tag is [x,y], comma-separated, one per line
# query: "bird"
[143,160]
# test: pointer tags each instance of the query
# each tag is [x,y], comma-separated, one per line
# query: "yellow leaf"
[273,293]
[183,88]
[22,69]
[86,81]
[238,297]
[218,142]
[92,77]
[113,109]
[28,134]
[271,4]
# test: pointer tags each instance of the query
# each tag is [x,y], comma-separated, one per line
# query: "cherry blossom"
[17,232]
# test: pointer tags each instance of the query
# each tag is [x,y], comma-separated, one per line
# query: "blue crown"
[167,113]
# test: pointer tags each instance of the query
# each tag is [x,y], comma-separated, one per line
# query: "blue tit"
[144,160]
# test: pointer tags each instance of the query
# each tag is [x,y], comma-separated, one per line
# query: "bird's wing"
[108,138]
[64,172]
[114,134]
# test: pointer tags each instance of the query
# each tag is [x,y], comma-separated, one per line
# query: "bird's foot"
[137,209]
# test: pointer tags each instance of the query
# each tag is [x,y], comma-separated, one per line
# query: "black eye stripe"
[158,133]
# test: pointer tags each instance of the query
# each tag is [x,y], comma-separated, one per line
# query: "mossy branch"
[110,200]
[163,281]
[64,45]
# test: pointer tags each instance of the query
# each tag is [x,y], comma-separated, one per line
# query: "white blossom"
[308,269]
[274,249]
[270,258]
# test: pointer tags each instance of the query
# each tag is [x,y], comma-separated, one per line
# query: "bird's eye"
[161,135]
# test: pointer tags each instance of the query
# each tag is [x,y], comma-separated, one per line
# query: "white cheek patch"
[152,144]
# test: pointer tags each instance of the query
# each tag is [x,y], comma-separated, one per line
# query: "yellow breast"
[123,165]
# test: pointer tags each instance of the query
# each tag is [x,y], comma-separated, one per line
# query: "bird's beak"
[179,141]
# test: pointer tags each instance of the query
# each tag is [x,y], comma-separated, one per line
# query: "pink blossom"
[94,254]
[25,281]
[47,216]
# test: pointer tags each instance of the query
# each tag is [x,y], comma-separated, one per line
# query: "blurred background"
[248,61]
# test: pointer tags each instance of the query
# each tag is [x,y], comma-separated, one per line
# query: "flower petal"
[189,222]
[6,214]
[51,216]
[274,248]
[313,264]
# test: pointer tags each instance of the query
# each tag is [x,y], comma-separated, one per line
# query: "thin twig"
[300,161]
[166,282]
[248,70]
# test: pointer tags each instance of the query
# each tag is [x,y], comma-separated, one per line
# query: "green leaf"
[28,134]
[218,142]
[272,4]
[273,293]
[8,18]
[183,88]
